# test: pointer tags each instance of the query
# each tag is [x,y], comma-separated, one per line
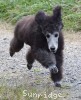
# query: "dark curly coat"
[31,30]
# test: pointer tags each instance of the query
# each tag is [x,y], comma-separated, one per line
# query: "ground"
[15,77]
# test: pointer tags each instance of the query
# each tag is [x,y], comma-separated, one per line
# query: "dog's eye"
[48,36]
[56,35]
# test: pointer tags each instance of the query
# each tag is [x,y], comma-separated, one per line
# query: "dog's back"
[24,28]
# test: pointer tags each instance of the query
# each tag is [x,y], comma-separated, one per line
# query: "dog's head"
[51,27]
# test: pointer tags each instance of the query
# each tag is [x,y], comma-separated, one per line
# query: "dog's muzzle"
[53,50]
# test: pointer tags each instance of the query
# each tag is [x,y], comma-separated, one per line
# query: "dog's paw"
[53,69]
[11,53]
[29,66]
[57,84]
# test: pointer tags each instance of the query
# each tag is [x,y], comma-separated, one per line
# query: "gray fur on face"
[52,40]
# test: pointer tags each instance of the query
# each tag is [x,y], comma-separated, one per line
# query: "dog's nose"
[52,49]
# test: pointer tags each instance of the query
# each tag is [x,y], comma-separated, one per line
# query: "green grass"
[32,93]
[13,10]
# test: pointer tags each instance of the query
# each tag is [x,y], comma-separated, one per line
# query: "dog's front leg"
[47,59]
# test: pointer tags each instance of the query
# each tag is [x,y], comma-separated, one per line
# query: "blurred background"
[12,10]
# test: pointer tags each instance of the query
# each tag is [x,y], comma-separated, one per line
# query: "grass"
[13,10]
[32,90]
[31,93]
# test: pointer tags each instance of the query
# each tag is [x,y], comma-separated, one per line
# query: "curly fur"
[31,30]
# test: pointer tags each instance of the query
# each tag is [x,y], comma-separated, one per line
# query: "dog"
[43,33]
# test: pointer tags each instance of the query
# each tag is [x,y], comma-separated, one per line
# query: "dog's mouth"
[53,51]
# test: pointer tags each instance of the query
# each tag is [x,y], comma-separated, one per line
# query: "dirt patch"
[14,73]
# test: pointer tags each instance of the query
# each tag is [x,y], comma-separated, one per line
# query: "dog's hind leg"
[30,59]
[15,46]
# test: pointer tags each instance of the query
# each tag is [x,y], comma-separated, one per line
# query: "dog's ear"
[57,13]
[40,17]
[57,16]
